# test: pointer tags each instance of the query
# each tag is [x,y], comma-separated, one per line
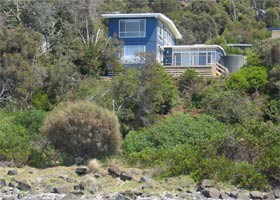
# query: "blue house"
[156,34]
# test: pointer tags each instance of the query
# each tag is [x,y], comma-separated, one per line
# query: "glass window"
[132,54]
[185,59]
[160,31]
[202,58]
[211,57]
[177,59]
[131,28]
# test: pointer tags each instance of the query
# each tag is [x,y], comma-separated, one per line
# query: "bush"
[175,130]
[31,120]
[249,79]
[141,94]
[83,130]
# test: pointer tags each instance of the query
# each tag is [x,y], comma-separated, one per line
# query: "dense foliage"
[57,51]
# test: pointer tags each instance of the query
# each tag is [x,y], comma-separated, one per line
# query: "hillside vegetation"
[54,98]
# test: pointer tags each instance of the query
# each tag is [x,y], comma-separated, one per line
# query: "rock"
[23,185]
[12,172]
[114,171]
[168,195]
[70,180]
[62,189]
[126,176]
[224,195]
[3,183]
[49,189]
[5,189]
[269,196]
[144,179]
[9,198]
[182,195]
[211,193]
[233,194]
[15,191]
[147,186]
[12,183]
[81,186]
[70,197]
[81,170]
[96,175]
[242,195]
[180,189]
[120,197]
[277,193]
[256,195]
[206,183]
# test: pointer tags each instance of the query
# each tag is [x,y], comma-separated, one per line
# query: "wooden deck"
[212,70]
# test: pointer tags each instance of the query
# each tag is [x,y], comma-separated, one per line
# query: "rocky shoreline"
[113,183]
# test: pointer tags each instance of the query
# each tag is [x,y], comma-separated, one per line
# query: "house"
[275,32]
[156,34]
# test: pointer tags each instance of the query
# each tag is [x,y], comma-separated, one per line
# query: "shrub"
[83,129]
[249,79]
[230,106]
[141,94]
[94,166]
[31,120]
[190,85]
[175,130]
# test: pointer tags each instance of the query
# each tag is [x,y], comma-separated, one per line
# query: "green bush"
[41,101]
[83,130]
[31,120]
[230,106]
[141,94]
[249,79]
[21,141]
[269,160]
[174,130]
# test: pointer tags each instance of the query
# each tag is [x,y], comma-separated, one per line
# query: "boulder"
[9,198]
[126,176]
[256,195]
[242,195]
[144,179]
[81,171]
[206,183]
[269,196]
[114,171]
[277,193]
[211,193]
[12,172]
[23,185]
[3,183]
[224,195]
[62,189]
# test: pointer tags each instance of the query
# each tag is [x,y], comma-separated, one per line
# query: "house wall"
[150,40]
[275,34]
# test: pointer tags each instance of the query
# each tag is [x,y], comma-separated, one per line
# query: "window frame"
[136,58]
[139,26]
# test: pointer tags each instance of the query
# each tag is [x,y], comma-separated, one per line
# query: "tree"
[140,94]
[20,72]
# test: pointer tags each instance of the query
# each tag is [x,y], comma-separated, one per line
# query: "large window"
[133,54]
[131,28]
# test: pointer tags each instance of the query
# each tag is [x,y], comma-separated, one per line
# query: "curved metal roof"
[168,22]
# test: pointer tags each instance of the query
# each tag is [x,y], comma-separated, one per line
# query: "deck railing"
[211,70]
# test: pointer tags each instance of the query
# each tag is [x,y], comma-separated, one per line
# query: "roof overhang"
[168,22]
[197,46]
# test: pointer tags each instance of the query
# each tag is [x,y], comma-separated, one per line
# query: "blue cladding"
[151,34]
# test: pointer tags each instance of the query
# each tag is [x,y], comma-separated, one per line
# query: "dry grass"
[94,166]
